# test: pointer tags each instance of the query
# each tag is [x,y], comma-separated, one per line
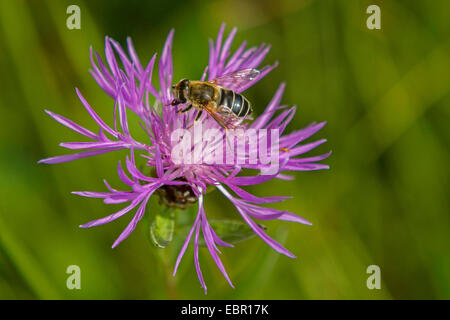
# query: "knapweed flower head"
[179,163]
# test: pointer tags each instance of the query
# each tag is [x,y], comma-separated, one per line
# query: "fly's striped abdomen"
[234,102]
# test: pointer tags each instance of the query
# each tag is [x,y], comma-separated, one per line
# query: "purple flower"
[131,87]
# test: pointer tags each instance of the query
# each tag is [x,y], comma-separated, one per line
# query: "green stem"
[164,256]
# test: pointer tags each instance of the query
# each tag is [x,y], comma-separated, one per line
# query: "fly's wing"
[225,119]
[236,81]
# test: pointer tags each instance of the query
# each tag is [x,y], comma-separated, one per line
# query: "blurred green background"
[385,200]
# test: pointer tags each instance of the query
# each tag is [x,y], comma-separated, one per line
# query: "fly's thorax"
[202,93]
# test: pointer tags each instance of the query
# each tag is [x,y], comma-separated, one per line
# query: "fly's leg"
[189,107]
[199,114]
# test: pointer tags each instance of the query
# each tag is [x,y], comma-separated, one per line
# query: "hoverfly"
[218,97]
